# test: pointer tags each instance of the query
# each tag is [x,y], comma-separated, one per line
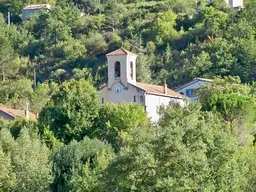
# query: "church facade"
[123,87]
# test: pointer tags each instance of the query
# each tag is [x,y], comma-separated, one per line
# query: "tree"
[78,166]
[14,93]
[163,26]
[70,50]
[26,162]
[71,111]
[182,6]
[215,21]
[188,152]
[41,95]
[7,178]
[117,121]
[88,6]
[234,102]
[9,62]
[84,73]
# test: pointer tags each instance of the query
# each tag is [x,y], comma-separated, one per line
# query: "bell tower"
[121,67]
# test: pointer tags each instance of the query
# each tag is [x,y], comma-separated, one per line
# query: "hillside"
[175,40]
[59,133]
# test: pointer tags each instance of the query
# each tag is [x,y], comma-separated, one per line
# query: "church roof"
[156,89]
[120,51]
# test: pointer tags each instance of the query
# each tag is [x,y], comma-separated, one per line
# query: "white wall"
[125,69]
[194,85]
[237,3]
[126,95]
[232,3]
[153,102]
[149,101]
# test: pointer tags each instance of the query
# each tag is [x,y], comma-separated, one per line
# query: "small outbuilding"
[10,114]
[32,9]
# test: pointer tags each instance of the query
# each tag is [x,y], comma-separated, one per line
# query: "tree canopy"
[55,61]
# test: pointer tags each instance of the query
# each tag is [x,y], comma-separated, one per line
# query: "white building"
[189,89]
[32,9]
[237,4]
[123,87]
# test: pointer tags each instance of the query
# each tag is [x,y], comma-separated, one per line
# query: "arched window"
[131,70]
[117,70]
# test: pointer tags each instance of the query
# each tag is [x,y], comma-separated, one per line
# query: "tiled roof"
[156,89]
[17,113]
[120,51]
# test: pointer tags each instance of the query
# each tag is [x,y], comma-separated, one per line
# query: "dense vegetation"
[56,61]
[206,146]
[175,40]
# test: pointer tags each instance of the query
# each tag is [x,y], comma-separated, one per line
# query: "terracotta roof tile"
[156,89]
[120,51]
[17,113]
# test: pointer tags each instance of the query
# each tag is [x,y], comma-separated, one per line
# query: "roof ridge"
[120,51]
[157,89]
[192,81]
[16,112]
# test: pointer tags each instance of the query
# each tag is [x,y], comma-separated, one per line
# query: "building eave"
[120,51]
[163,95]
[7,113]
[192,82]
[157,94]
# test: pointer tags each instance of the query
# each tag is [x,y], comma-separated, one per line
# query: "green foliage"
[193,149]
[163,27]
[18,125]
[7,56]
[70,50]
[234,103]
[40,97]
[71,111]
[188,152]
[78,166]
[203,40]
[24,163]
[116,122]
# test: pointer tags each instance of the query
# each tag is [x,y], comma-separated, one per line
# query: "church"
[123,87]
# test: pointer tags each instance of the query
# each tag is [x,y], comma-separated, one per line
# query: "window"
[118,89]
[131,70]
[191,92]
[102,100]
[134,98]
[117,70]
[141,99]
